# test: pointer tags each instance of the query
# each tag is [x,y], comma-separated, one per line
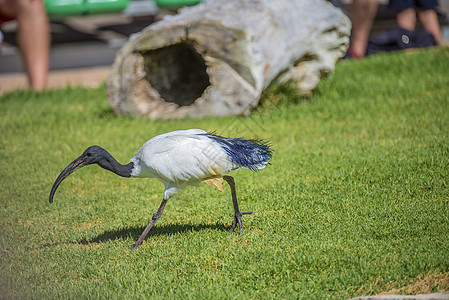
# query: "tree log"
[216,58]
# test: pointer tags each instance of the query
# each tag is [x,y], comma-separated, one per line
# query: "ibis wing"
[183,158]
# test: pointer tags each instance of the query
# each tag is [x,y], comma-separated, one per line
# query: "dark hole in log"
[177,72]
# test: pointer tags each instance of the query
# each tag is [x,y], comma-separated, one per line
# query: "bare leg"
[429,21]
[363,13]
[406,19]
[33,37]
[156,216]
[34,41]
[238,214]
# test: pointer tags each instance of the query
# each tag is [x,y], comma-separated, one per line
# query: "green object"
[175,4]
[356,201]
[59,8]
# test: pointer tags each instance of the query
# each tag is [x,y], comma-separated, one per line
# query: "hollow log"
[216,58]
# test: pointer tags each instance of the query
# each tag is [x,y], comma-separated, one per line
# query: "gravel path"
[86,77]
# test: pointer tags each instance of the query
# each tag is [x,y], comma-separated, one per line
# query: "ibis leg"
[237,213]
[156,216]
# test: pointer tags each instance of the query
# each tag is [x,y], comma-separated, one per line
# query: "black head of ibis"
[92,155]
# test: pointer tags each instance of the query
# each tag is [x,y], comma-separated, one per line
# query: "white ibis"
[179,159]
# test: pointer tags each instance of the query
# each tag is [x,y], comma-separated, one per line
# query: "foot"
[134,246]
[238,219]
[350,53]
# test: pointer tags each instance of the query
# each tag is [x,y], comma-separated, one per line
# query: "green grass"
[356,200]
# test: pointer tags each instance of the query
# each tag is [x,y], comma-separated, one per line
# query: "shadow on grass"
[106,113]
[135,232]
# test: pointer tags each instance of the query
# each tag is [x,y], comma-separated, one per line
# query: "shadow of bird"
[134,232]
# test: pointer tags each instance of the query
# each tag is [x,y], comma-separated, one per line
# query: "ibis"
[179,159]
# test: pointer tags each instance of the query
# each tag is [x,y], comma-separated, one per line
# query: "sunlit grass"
[356,200]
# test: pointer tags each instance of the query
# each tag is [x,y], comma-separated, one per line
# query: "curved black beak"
[72,167]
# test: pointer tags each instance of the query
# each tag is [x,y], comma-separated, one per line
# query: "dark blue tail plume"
[250,154]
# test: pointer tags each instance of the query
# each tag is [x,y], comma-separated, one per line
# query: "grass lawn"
[356,200]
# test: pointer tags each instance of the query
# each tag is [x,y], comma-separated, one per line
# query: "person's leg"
[405,13]
[33,37]
[406,19]
[363,13]
[429,20]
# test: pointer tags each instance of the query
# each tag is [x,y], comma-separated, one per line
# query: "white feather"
[181,158]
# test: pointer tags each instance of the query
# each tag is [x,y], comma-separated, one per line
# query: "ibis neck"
[123,170]
[109,163]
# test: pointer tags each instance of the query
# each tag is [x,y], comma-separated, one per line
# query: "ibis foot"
[238,219]
[156,217]
[134,246]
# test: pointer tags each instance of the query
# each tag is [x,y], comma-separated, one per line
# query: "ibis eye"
[89,154]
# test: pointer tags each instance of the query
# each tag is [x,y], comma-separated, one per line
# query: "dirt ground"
[86,77]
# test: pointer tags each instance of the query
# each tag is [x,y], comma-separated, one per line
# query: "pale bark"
[217,58]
